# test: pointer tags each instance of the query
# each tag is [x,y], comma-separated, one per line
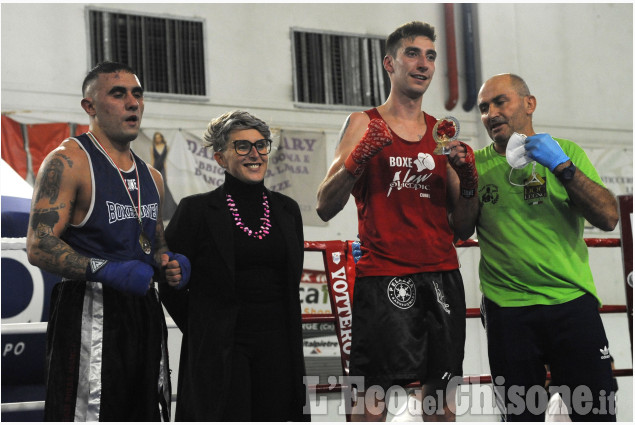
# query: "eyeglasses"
[243,147]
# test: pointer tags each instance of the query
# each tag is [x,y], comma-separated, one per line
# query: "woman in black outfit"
[241,354]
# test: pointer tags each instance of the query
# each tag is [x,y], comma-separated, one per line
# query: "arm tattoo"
[44,220]
[50,184]
[68,160]
[59,258]
[55,255]
[52,253]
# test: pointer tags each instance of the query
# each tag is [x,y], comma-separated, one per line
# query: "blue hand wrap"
[132,277]
[186,268]
[542,148]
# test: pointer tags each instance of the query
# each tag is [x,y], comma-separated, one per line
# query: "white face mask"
[516,154]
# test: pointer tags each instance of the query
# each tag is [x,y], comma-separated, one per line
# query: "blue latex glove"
[542,148]
[133,277]
[186,268]
[356,250]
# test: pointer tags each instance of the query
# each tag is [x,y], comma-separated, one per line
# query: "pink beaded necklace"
[264,227]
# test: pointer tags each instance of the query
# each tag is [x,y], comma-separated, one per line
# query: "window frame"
[324,106]
[148,93]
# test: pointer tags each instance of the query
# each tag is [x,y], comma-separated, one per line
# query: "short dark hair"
[107,67]
[408,30]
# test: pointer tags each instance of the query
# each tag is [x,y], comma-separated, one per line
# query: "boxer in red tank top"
[409,303]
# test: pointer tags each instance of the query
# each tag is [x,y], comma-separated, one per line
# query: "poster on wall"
[187,166]
[296,169]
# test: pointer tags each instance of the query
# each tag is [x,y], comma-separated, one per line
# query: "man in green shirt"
[539,305]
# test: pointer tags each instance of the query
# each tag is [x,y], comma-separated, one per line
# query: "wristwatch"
[567,173]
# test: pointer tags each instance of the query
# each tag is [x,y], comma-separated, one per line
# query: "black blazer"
[206,310]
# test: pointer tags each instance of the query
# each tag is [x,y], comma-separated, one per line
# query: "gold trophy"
[445,130]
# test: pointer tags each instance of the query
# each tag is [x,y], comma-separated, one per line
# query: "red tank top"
[401,209]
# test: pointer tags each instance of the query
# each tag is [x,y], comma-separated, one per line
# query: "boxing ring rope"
[339,267]
[340,276]
[340,270]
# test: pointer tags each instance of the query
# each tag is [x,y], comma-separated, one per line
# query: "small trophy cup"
[444,131]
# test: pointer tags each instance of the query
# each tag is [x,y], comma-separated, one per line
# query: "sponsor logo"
[535,190]
[120,212]
[402,293]
[489,194]
[424,161]
[131,184]
[96,264]
[417,182]
[605,353]
[343,312]
[337,256]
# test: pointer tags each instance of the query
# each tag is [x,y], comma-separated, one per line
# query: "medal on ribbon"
[144,241]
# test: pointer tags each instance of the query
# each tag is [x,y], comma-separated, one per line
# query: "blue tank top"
[111,229]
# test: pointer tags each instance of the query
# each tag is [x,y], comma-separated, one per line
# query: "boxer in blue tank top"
[96,221]
[112,229]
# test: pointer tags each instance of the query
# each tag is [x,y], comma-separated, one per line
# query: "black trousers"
[261,386]
[567,337]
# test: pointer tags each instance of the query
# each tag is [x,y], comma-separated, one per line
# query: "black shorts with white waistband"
[408,328]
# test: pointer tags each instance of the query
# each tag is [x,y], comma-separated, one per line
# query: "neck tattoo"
[264,227]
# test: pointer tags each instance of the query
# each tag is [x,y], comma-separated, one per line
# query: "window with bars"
[167,54]
[335,69]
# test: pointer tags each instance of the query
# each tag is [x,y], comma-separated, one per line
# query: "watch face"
[567,173]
